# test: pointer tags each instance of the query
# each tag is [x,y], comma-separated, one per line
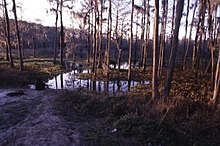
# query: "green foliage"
[95,107]
[134,125]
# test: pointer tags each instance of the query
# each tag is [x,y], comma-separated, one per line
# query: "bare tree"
[131,42]
[155,92]
[179,10]
[162,37]
[186,30]
[56,32]
[107,51]
[190,35]
[147,34]
[217,81]
[8,34]
[18,36]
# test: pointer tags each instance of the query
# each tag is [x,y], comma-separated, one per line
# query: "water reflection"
[70,81]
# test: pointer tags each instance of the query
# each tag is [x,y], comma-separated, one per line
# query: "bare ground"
[30,120]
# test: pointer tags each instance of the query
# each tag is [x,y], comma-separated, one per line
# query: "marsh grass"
[39,68]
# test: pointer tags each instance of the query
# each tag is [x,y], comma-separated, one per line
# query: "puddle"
[70,81]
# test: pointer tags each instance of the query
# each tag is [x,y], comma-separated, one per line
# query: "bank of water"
[71,81]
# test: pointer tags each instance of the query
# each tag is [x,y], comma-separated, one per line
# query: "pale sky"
[39,9]
[34,10]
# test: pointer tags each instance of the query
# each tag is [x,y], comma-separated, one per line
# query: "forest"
[111,72]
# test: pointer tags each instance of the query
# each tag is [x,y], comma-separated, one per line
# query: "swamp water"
[71,81]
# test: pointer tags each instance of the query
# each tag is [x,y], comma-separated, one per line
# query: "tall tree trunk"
[5,33]
[18,37]
[173,18]
[95,39]
[131,42]
[120,47]
[8,34]
[100,37]
[155,92]
[61,33]
[190,36]
[34,43]
[147,34]
[107,51]
[217,80]
[162,37]
[195,48]
[55,35]
[211,43]
[202,29]
[143,20]
[179,10]
[118,57]
[186,30]
[136,43]
[89,39]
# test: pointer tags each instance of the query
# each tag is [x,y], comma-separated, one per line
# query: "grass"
[183,119]
[40,68]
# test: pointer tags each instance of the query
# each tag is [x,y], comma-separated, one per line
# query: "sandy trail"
[30,120]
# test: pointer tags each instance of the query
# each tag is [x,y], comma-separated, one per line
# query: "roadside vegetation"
[38,68]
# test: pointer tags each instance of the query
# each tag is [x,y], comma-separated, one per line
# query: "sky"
[35,10]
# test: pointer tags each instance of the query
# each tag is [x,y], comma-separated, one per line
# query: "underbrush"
[185,118]
[137,120]
[33,70]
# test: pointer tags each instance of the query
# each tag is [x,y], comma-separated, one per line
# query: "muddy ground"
[30,120]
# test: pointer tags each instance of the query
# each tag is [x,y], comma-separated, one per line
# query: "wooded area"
[145,34]
[201,52]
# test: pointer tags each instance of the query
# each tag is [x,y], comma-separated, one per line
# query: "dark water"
[70,81]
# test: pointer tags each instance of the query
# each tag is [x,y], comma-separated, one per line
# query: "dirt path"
[30,120]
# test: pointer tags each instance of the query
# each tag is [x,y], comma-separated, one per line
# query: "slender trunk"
[147,34]
[33,41]
[190,36]
[202,29]
[107,51]
[136,43]
[120,48]
[186,28]
[162,39]
[18,37]
[130,46]
[143,20]
[61,34]
[211,44]
[55,35]
[94,65]
[173,18]
[155,92]
[179,10]
[3,23]
[100,37]
[5,44]
[89,40]
[8,34]
[118,57]
[217,82]
[196,49]
[6,58]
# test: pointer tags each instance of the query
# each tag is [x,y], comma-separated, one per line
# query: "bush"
[134,125]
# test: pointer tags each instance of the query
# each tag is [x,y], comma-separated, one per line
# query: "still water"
[70,81]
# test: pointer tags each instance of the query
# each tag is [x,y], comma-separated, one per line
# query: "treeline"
[105,24]
[200,52]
